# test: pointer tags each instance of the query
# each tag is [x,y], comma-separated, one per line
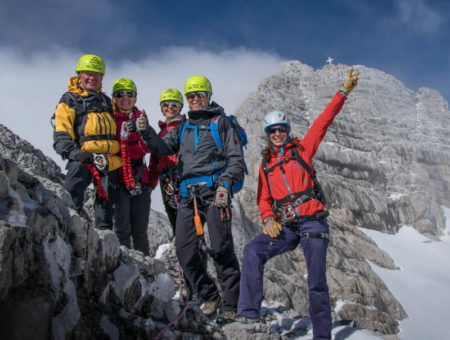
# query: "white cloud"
[419,16]
[32,86]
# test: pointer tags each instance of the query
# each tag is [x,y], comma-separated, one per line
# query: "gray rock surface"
[61,278]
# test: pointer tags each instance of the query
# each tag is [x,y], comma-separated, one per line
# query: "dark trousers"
[78,178]
[262,248]
[131,216]
[221,249]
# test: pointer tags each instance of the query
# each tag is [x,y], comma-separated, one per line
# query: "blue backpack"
[214,127]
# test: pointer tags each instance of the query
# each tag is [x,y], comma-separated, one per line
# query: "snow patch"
[161,250]
[422,284]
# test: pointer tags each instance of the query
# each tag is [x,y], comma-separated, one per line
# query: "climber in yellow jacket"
[85,135]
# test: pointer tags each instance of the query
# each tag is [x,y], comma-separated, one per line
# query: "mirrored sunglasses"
[168,103]
[121,94]
[280,129]
[201,94]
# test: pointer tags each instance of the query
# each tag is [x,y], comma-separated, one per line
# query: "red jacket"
[136,147]
[296,178]
[159,163]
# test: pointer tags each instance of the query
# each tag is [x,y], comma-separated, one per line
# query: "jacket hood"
[75,87]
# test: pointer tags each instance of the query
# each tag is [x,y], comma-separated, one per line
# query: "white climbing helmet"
[276,118]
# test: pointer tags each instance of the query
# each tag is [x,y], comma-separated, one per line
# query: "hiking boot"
[246,320]
[226,317]
[209,308]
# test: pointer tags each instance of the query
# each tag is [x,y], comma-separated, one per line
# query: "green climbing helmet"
[90,62]
[171,95]
[123,84]
[197,83]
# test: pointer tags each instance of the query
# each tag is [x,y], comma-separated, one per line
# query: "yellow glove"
[271,227]
[350,81]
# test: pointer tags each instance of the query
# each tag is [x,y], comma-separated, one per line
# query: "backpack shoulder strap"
[80,108]
[183,130]
[265,167]
[215,131]
[298,158]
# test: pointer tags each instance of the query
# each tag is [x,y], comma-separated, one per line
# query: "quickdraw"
[126,165]
[95,175]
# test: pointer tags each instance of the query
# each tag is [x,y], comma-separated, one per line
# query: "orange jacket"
[295,178]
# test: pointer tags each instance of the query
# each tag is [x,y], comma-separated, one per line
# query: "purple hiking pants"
[262,248]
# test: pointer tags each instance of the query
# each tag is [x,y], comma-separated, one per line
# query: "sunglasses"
[129,94]
[280,129]
[170,103]
[192,95]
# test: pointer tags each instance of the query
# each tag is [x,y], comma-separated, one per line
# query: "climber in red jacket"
[291,206]
[165,168]
[133,192]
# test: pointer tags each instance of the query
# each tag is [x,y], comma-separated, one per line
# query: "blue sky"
[409,39]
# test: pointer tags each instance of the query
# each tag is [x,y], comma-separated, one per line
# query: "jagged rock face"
[61,278]
[384,163]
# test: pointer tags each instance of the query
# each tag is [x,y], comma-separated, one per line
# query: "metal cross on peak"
[330,60]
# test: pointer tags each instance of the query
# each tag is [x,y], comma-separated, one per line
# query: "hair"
[266,152]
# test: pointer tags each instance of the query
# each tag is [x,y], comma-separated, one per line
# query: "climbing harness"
[286,208]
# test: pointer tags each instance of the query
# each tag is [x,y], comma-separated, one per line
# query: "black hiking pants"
[78,178]
[131,216]
[221,250]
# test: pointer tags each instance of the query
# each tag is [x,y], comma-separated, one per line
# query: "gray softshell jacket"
[198,152]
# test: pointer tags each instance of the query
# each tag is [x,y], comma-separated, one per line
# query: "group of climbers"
[197,159]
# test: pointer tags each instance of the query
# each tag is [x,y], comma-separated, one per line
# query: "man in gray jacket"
[207,172]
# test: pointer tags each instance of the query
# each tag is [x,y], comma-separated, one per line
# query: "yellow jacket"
[84,121]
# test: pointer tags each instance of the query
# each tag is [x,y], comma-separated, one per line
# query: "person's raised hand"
[142,122]
[350,81]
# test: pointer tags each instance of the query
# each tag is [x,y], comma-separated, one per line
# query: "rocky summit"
[384,163]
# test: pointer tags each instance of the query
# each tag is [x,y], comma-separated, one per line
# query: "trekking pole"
[197,221]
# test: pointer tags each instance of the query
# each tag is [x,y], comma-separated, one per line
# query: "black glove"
[84,157]
[131,124]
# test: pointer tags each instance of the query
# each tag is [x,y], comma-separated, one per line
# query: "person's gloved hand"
[221,198]
[350,81]
[131,125]
[271,227]
[84,157]
[141,122]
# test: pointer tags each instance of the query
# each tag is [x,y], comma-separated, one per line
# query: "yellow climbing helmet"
[123,84]
[197,83]
[90,62]
[171,95]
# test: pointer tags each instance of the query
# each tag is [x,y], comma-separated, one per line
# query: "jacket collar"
[281,150]
[162,124]
[212,110]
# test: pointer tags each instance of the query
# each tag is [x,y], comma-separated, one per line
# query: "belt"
[202,180]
